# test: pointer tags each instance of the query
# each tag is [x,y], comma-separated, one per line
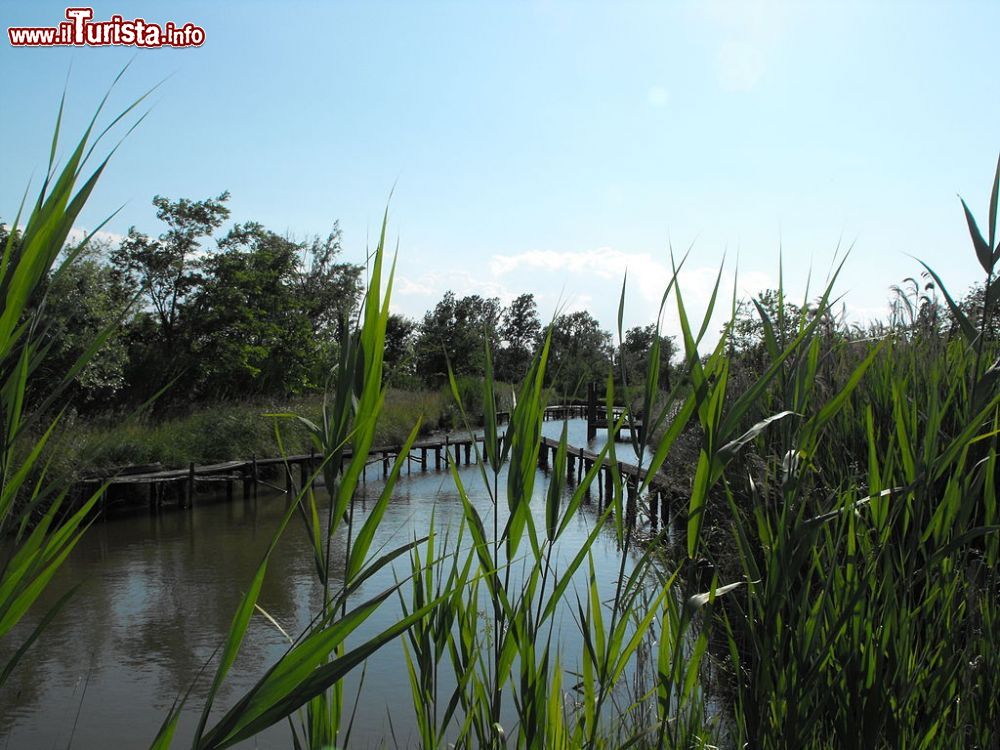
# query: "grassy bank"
[226,430]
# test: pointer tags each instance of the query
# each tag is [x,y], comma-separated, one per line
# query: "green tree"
[400,340]
[746,335]
[580,353]
[520,328]
[167,271]
[634,354]
[251,323]
[85,299]
[973,306]
[330,288]
[453,333]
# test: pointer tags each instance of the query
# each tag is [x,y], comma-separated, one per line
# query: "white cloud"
[741,65]
[747,32]
[565,281]
[657,96]
[77,234]
[593,278]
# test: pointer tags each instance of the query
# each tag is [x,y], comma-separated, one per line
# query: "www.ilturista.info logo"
[80,30]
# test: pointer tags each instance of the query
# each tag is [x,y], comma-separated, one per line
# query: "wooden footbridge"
[597,417]
[179,487]
[579,461]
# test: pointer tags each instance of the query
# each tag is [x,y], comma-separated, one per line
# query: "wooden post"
[591,411]
[664,509]
[229,489]
[437,458]
[385,464]
[423,458]
[654,503]
[152,495]
[570,466]
[579,470]
[245,471]
[447,455]
[543,456]
[189,496]
[256,476]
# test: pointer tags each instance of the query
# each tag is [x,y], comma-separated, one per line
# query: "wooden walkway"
[597,417]
[180,486]
[579,461]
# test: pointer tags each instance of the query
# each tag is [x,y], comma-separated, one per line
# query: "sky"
[551,147]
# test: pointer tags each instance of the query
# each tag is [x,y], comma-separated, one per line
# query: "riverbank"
[224,431]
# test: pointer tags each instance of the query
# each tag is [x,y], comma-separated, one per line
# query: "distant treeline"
[194,312]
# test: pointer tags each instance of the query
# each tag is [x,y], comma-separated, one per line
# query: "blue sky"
[548,146]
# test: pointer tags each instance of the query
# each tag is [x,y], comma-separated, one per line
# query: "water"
[158,592]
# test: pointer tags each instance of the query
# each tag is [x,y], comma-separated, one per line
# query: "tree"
[400,339]
[520,328]
[635,351]
[84,300]
[167,268]
[251,324]
[330,289]
[580,353]
[973,306]
[453,333]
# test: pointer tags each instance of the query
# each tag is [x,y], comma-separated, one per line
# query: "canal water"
[158,592]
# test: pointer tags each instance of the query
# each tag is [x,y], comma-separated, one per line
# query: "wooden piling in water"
[189,494]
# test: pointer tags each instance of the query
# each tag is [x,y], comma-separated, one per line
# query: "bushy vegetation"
[225,430]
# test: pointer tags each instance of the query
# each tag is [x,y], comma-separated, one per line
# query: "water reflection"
[158,593]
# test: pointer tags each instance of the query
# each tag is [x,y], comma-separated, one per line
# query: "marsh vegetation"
[835,583]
